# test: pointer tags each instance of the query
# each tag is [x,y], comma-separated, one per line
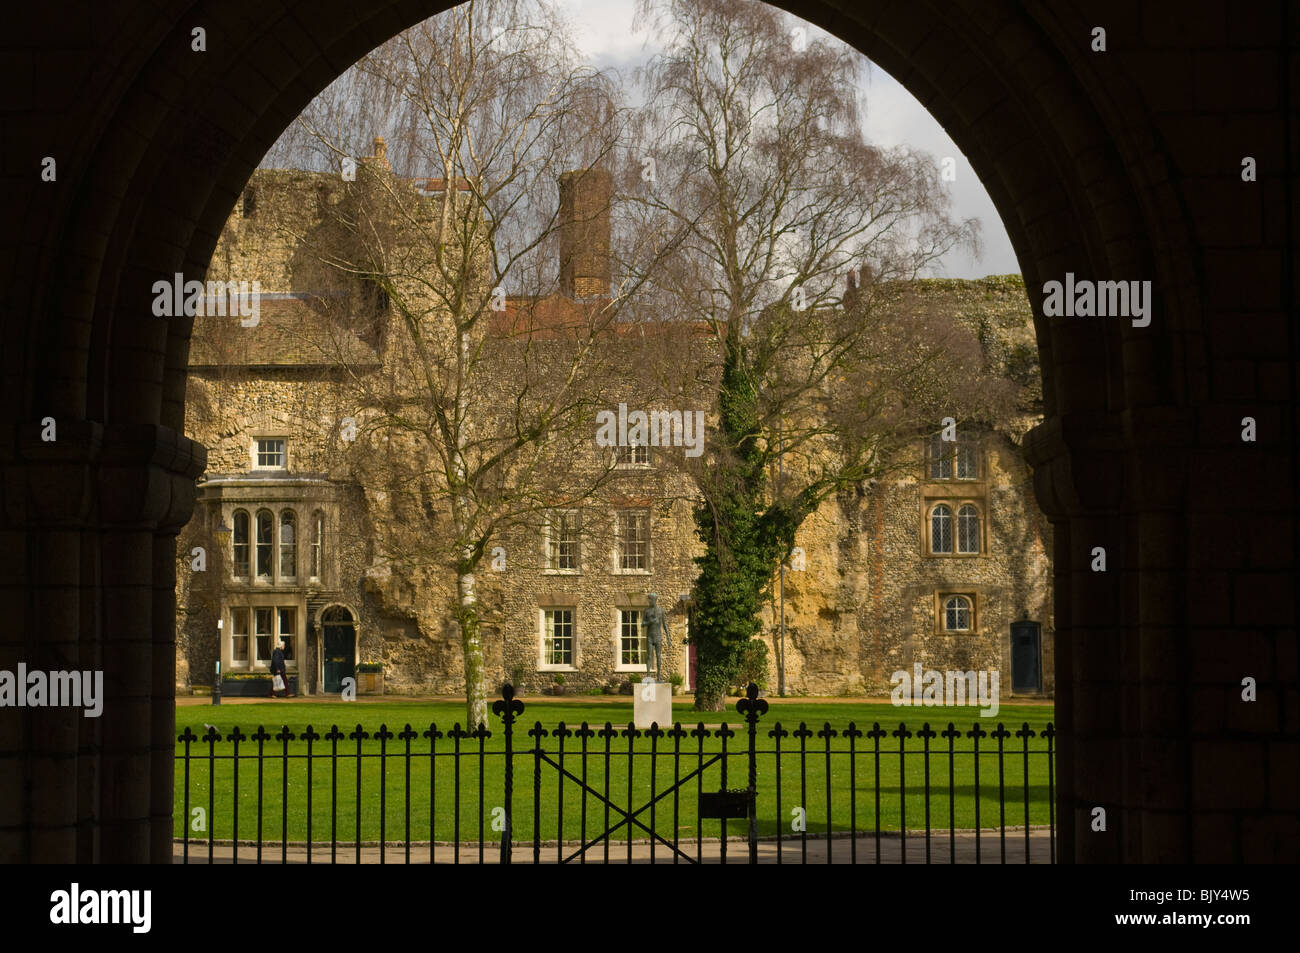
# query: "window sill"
[642,667]
[556,668]
[631,572]
[561,572]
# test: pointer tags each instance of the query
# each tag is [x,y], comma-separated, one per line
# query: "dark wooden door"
[337,652]
[1026,657]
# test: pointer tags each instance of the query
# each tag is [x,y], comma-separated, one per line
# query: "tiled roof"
[432,186]
[557,316]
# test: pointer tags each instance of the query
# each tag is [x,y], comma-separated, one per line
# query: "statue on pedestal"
[658,637]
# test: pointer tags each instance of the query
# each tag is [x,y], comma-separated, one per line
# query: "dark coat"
[277,661]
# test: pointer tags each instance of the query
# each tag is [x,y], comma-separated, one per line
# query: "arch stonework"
[318,618]
[1116,165]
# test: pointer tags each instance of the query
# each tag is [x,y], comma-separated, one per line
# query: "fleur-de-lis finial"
[508,706]
[751,706]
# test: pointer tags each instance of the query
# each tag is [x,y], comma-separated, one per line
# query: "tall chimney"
[584,233]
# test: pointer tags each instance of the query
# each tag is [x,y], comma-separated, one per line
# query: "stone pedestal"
[652,702]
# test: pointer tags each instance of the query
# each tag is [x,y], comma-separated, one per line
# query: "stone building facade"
[944,563]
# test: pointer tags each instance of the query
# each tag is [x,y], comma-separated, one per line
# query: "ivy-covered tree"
[756,175]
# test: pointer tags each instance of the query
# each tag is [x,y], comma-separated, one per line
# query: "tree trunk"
[744,539]
[472,646]
[709,694]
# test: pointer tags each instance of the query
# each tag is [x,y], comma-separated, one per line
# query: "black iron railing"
[622,790]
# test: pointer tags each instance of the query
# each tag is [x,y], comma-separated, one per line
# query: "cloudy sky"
[603,29]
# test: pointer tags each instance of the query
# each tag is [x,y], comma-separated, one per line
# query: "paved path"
[890,853]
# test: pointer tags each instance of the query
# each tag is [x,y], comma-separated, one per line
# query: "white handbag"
[277,684]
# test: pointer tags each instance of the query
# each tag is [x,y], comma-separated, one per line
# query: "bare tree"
[482,415]
[768,198]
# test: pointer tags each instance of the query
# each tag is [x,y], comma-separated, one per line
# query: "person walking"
[278,669]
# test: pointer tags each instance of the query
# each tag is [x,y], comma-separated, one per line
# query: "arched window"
[317,544]
[956,614]
[941,529]
[968,529]
[265,529]
[239,539]
[288,545]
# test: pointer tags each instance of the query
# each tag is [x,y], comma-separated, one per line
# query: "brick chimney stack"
[584,233]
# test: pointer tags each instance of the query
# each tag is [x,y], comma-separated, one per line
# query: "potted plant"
[370,678]
[557,687]
[676,680]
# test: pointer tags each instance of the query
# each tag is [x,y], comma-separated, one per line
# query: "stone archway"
[1116,165]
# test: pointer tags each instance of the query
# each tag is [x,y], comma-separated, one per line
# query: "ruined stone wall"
[262,237]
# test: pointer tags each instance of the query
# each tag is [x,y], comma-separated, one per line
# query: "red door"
[691,687]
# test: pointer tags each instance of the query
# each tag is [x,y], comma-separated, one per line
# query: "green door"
[338,650]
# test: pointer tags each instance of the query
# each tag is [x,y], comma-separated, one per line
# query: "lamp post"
[780,473]
[684,601]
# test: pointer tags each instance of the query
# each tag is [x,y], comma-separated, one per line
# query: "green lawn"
[562,796]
